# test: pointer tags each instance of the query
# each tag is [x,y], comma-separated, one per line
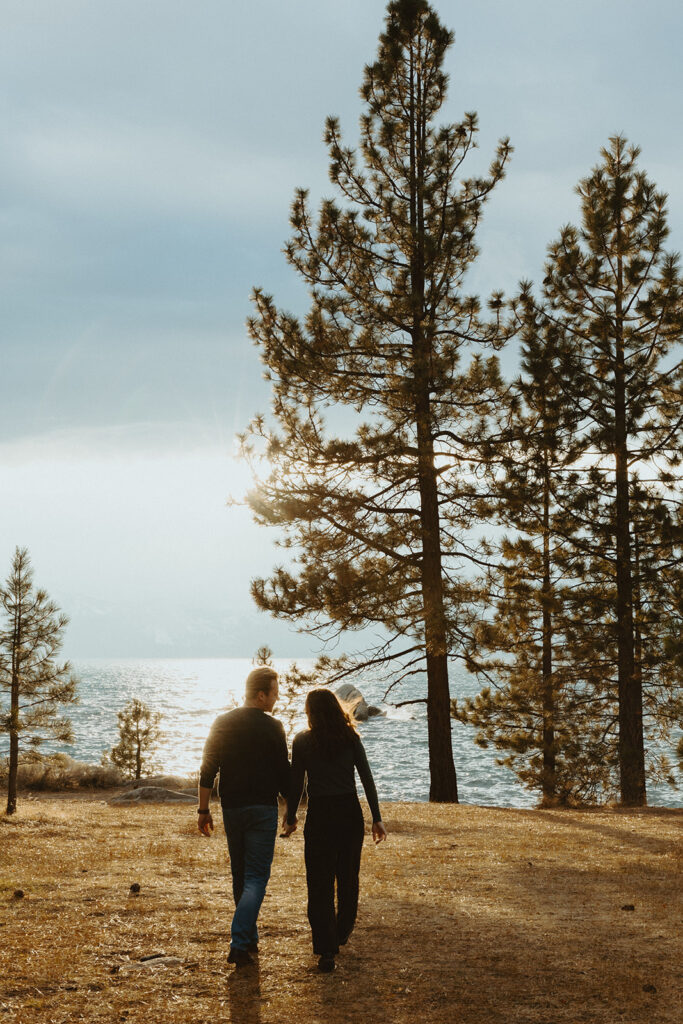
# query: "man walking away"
[249,750]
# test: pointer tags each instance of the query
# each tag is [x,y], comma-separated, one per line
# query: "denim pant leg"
[252,831]
[235,836]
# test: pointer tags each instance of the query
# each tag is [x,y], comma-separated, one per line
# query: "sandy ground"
[468,914]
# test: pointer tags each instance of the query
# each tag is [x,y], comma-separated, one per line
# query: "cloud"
[150,153]
[95,164]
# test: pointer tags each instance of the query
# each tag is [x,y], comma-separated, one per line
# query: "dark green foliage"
[35,685]
[377,517]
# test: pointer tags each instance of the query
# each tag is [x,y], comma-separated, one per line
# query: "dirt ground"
[468,914]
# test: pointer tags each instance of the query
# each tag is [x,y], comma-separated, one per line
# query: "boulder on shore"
[374,712]
[354,700]
[161,782]
[154,795]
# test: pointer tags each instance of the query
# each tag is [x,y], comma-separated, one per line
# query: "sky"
[151,152]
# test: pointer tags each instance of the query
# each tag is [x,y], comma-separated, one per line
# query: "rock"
[155,795]
[161,782]
[649,988]
[354,700]
[374,712]
[18,894]
[135,889]
[628,906]
[156,961]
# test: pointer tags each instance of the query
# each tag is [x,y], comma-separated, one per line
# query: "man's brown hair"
[259,680]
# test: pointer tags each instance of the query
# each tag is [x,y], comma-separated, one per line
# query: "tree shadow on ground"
[631,838]
[499,962]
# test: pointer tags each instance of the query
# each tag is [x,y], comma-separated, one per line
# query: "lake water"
[190,693]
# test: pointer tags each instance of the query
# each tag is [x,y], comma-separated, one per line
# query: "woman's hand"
[379,833]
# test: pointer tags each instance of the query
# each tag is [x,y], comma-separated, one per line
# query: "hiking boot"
[326,963]
[239,957]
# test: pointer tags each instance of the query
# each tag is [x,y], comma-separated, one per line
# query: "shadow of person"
[244,994]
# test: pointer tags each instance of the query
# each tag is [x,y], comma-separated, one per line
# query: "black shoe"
[253,948]
[239,957]
[326,963]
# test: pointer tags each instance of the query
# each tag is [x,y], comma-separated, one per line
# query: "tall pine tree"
[616,293]
[528,708]
[592,625]
[36,684]
[378,517]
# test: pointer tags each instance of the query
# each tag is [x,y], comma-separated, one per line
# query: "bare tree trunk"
[631,745]
[443,786]
[637,613]
[13,770]
[14,715]
[549,783]
[443,781]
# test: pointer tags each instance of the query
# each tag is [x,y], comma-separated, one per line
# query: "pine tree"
[36,684]
[378,517]
[518,647]
[592,633]
[616,293]
[657,604]
[139,734]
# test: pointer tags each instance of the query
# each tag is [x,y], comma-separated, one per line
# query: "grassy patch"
[467,914]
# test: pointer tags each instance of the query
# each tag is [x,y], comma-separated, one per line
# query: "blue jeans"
[251,835]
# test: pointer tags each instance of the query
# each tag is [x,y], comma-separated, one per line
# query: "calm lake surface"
[190,693]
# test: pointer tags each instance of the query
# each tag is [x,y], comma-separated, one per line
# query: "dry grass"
[59,772]
[468,914]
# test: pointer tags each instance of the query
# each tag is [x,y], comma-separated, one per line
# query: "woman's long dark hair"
[332,726]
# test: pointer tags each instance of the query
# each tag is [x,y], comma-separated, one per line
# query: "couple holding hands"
[249,749]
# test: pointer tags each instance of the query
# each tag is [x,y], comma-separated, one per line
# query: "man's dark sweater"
[249,749]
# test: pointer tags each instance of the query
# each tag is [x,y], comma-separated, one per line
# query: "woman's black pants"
[333,836]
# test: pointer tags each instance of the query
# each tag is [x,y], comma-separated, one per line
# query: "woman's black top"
[329,775]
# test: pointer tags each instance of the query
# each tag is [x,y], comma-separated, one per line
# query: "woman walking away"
[327,753]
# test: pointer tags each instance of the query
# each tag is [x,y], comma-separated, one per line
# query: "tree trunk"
[631,745]
[548,783]
[443,781]
[13,770]
[637,613]
[14,714]
[443,786]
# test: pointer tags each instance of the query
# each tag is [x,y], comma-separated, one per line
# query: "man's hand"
[205,823]
[288,829]
[379,833]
